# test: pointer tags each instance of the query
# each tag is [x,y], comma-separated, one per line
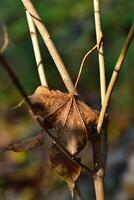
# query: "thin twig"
[114,77]
[82,63]
[84,58]
[36,49]
[17,83]
[15,80]
[49,44]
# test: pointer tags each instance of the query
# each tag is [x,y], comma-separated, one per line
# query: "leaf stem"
[82,63]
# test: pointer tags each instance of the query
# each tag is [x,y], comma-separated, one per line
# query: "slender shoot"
[82,64]
[100,48]
[115,76]
[36,49]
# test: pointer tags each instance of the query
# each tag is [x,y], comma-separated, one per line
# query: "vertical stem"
[99,189]
[36,49]
[96,142]
[100,49]
[98,166]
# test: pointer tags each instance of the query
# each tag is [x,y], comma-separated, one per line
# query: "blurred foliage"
[71,25]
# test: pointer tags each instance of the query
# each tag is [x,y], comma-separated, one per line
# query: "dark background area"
[28,175]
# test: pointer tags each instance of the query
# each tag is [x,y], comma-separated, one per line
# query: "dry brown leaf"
[70,118]
[64,167]
[70,121]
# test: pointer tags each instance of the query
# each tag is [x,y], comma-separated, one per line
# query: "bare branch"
[36,49]
[49,44]
[114,77]
[15,80]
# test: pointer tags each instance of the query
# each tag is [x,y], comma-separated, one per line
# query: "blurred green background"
[71,26]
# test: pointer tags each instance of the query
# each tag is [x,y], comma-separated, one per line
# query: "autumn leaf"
[70,120]
[65,115]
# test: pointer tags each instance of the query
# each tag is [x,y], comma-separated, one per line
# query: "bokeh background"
[28,175]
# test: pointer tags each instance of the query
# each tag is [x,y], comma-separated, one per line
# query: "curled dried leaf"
[70,120]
